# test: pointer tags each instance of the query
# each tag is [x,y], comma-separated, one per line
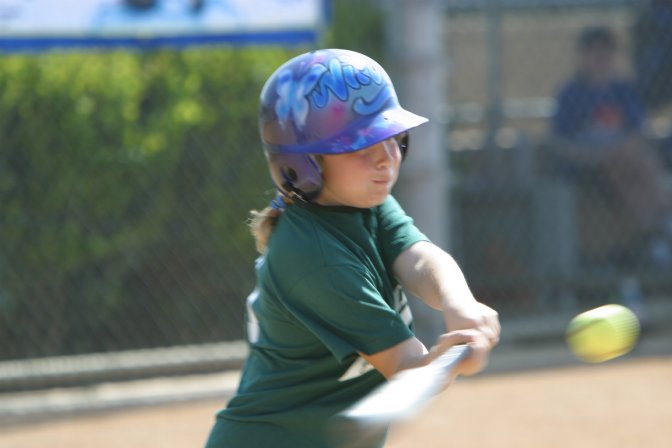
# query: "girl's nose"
[386,153]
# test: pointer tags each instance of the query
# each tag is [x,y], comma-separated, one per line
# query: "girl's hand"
[474,315]
[477,342]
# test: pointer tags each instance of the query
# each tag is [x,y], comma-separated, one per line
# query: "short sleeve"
[396,231]
[341,306]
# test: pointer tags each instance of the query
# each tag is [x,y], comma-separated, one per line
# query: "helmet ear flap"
[296,175]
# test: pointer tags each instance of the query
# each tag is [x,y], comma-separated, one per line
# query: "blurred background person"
[598,145]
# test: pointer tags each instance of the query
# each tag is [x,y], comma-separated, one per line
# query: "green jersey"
[325,293]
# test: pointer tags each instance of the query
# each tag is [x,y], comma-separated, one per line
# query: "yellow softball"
[603,333]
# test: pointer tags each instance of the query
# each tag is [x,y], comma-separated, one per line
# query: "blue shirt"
[597,115]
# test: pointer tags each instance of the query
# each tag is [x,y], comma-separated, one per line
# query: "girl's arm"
[433,275]
[411,353]
[430,273]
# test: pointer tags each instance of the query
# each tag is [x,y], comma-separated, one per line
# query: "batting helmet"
[325,102]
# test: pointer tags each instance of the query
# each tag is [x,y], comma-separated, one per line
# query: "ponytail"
[262,223]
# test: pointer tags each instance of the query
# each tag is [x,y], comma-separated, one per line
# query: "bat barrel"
[398,399]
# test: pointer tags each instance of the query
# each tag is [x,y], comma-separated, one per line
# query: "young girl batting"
[328,321]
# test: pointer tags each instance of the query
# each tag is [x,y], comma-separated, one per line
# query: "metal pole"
[418,64]
[494,54]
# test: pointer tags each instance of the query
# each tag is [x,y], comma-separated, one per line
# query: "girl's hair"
[263,222]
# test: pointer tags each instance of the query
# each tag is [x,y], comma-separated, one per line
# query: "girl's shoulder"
[303,242]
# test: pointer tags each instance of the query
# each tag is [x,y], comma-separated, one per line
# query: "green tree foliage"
[125,181]
[359,26]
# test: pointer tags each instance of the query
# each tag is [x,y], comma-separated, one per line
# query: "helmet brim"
[370,131]
[386,125]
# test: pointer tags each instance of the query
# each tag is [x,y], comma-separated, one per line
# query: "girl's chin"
[371,198]
[375,200]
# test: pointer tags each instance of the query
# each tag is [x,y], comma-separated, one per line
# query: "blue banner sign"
[35,25]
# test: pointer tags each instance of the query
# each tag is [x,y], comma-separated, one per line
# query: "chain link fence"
[126,177]
[126,182]
[561,153]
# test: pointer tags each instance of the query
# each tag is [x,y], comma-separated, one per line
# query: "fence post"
[418,63]
[493,12]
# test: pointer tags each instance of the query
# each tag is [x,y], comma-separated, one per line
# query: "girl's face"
[362,178]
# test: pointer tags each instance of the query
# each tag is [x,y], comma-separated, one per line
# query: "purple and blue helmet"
[325,102]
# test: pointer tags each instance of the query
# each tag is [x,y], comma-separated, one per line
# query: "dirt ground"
[621,404]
